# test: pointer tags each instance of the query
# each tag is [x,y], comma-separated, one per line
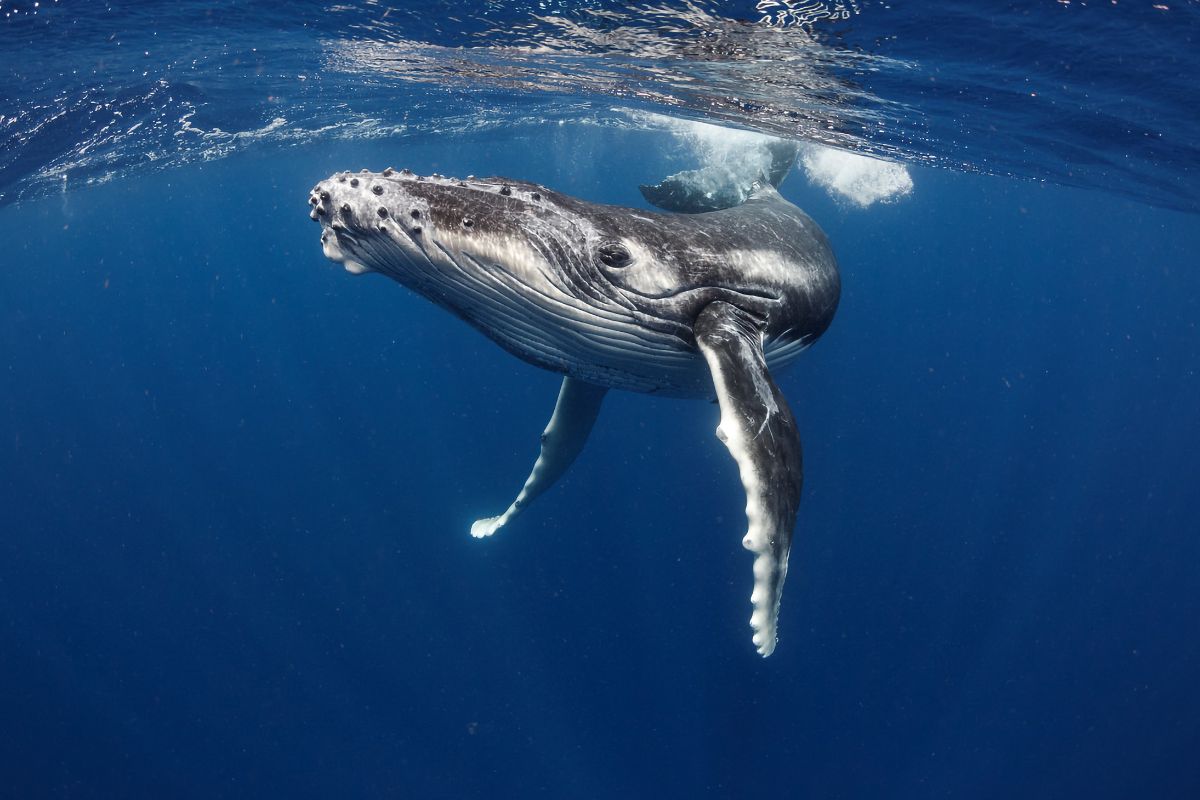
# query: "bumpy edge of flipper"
[574,415]
[758,429]
[724,184]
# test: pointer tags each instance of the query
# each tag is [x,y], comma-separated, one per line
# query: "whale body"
[695,305]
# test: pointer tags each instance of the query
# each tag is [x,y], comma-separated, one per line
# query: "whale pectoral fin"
[758,428]
[564,437]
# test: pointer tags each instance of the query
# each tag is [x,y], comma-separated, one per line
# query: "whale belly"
[614,351]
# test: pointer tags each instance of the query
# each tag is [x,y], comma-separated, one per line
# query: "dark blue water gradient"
[1091,95]
[237,486]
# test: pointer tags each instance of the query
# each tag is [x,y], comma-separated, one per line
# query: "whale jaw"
[511,260]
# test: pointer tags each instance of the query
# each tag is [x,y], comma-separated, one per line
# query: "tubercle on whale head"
[380,183]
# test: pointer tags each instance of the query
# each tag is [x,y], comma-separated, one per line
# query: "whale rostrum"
[696,305]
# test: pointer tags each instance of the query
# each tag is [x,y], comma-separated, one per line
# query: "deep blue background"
[237,484]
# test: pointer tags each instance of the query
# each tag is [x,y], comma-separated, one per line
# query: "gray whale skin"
[700,305]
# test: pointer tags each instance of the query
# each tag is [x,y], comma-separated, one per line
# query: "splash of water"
[859,180]
[730,157]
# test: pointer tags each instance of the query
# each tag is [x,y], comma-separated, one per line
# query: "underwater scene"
[430,399]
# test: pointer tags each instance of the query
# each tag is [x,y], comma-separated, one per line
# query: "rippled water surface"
[1097,95]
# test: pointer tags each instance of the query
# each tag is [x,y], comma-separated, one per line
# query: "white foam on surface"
[861,180]
[729,152]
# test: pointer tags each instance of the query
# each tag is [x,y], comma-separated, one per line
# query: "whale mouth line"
[743,292]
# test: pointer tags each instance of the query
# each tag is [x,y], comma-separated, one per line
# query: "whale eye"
[613,254]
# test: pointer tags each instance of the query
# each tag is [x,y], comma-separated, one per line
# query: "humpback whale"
[705,298]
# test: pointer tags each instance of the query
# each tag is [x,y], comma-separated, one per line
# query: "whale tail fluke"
[725,183]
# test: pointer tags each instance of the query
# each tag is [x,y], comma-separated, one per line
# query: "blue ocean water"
[237,482]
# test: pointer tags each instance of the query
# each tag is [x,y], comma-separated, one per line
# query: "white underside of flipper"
[758,430]
[482,528]
[564,437]
[769,571]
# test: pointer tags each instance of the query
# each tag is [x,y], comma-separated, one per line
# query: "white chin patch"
[334,252]
[330,248]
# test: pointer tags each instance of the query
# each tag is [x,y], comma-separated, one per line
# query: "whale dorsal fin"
[724,184]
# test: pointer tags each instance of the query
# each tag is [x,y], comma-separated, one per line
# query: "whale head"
[431,231]
[603,293]
[535,270]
